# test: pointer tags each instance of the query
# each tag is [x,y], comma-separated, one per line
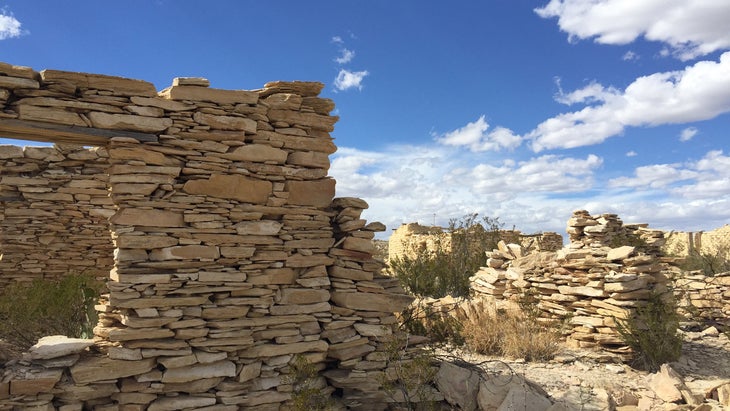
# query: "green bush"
[652,332]
[445,267]
[709,263]
[33,310]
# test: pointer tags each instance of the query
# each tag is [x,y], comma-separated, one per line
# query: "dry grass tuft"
[511,334]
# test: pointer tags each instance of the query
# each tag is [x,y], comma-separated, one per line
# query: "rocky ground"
[585,380]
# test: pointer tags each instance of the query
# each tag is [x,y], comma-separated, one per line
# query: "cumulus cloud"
[474,135]
[688,133]
[690,28]
[345,57]
[347,79]
[412,183]
[707,179]
[9,26]
[699,92]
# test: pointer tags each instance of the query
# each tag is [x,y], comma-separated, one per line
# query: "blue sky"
[522,110]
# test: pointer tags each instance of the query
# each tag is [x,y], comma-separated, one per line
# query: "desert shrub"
[513,334]
[708,263]
[444,267]
[410,375]
[652,332]
[440,327]
[43,307]
[309,389]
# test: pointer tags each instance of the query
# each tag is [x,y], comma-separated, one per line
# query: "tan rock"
[129,122]
[226,122]
[350,273]
[102,368]
[458,385]
[311,159]
[199,371]
[274,350]
[180,402]
[250,371]
[666,384]
[164,104]
[120,85]
[142,154]
[259,153]
[303,296]
[50,115]
[221,96]
[620,253]
[371,301]
[317,193]
[54,346]
[359,244]
[148,218]
[234,187]
[145,241]
[185,252]
[264,227]
[15,82]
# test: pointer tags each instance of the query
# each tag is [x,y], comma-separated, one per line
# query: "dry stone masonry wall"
[55,208]
[231,257]
[597,279]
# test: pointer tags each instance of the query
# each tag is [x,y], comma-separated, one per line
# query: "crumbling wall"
[589,283]
[413,236]
[714,242]
[231,256]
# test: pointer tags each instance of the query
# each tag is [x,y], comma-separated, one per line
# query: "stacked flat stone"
[55,211]
[706,297]
[231,258]
[587,282]
[362,312]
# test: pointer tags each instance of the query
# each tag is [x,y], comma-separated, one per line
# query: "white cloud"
[629,56]
[345,56]
[653,176]
[631,153]
[699,92]
[592,93]
[9,25]
[691,28]
[688,133]
[474,135]
[350,79]
[412,183]
[337,39]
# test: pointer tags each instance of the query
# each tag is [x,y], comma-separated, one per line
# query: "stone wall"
[607,270]
[55,207]
[231,258]
[716,242]
[413,236]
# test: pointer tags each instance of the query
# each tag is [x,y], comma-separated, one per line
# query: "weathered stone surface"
[458,385]
[101,368]
[120,85]
[303,296]
[666,384]
[266,227]
[620,253]
[260,153]
[524,398]
[148,218]
[129,122]
[54,346]
[185,252]
[50,115]
[180,403]
[221,96]
[199,372]
[311,159]
[318,193]
[226,122]
[371,301]
[274,350]
[232,187]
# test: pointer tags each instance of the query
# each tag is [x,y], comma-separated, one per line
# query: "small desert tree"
[444,267]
